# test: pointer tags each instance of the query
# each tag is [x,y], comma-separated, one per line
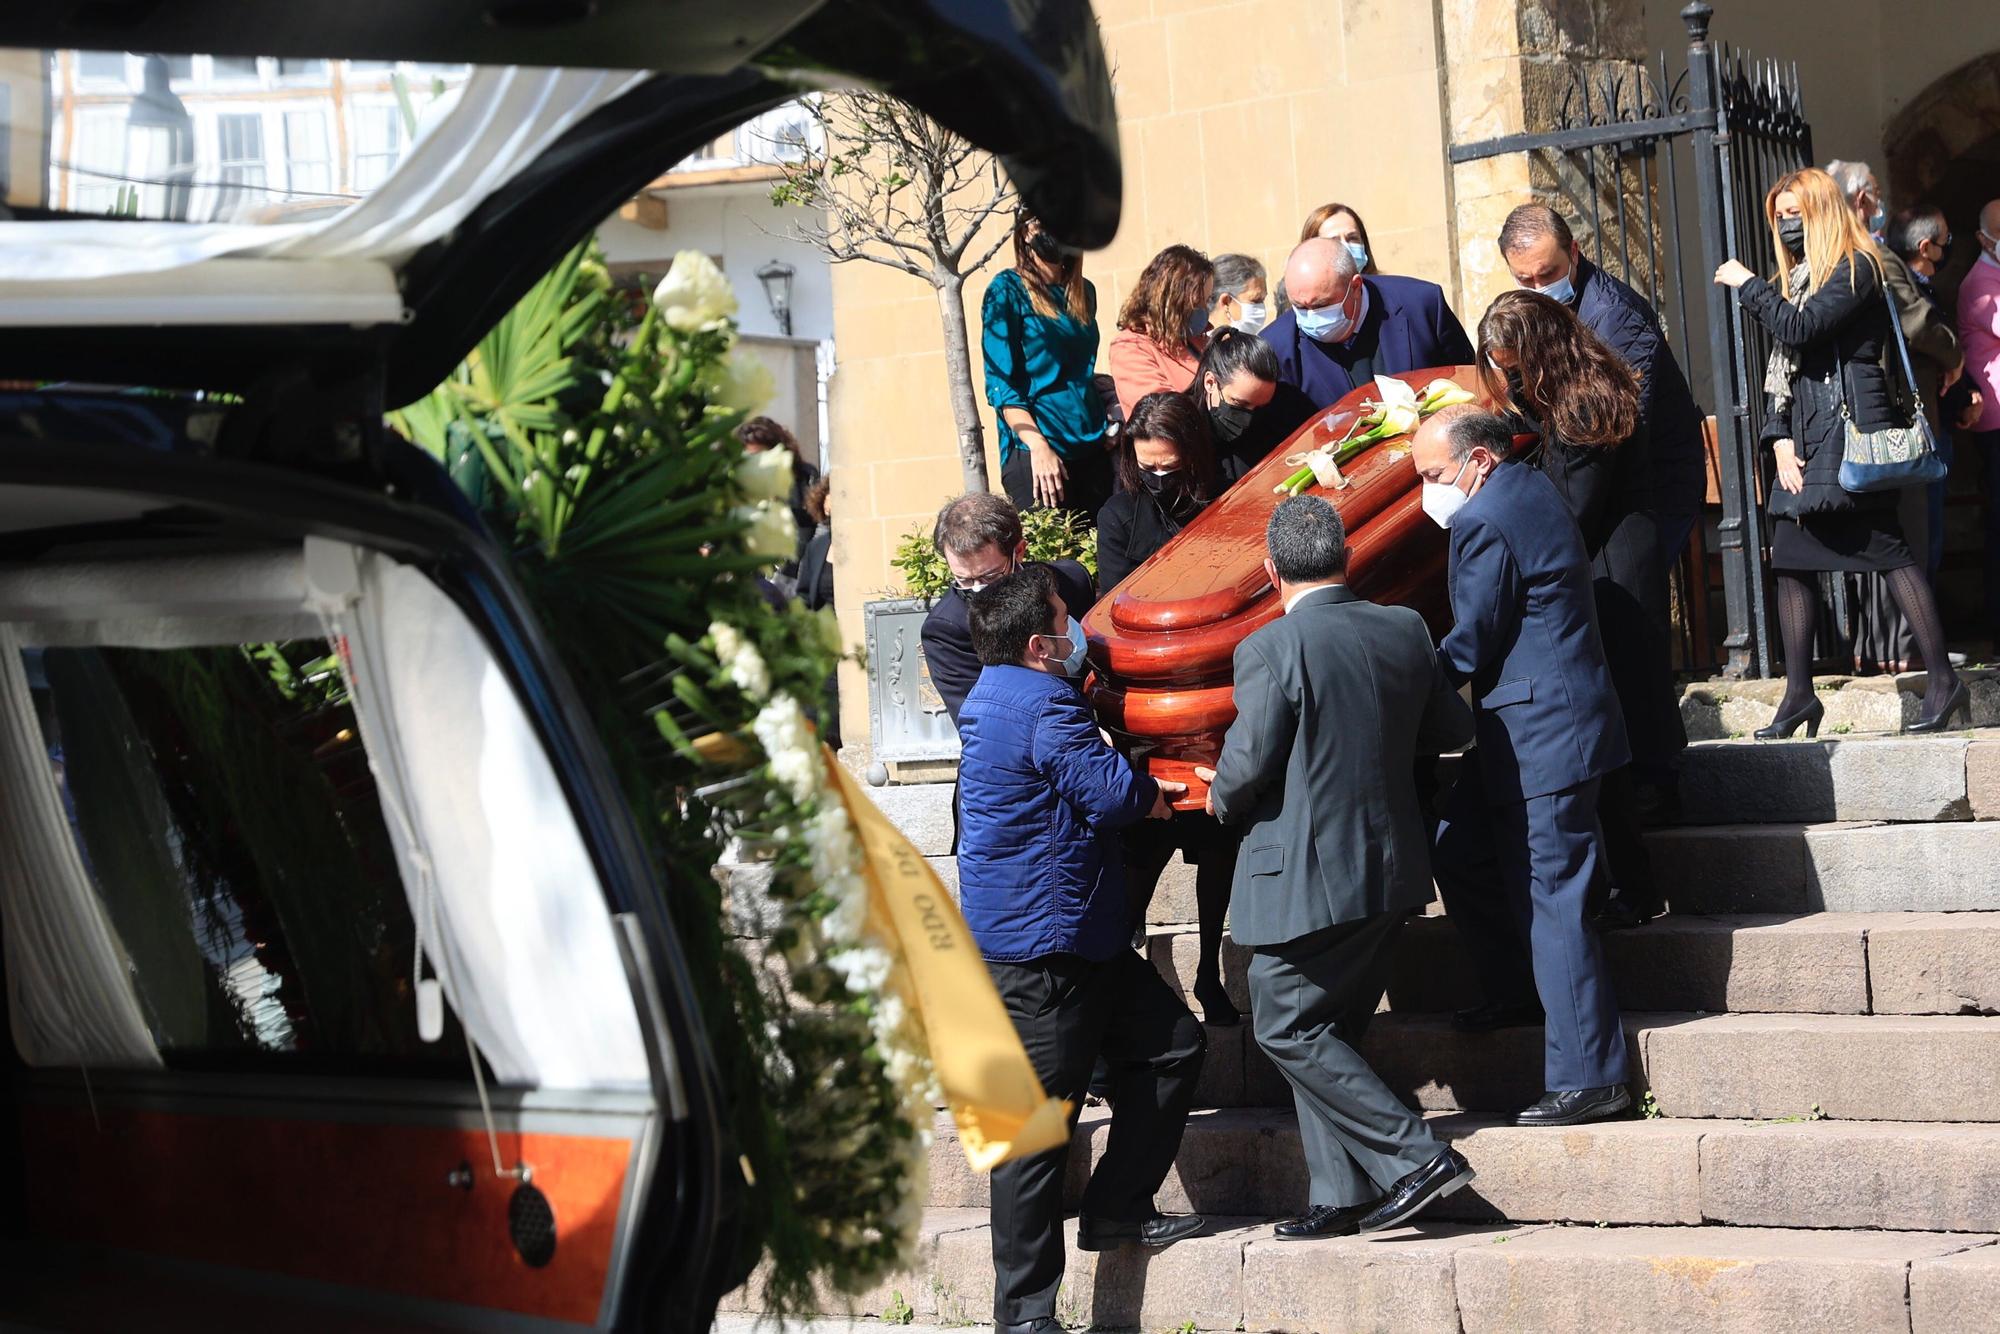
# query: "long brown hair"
[1569,379]
[1167,415]
[1834,234]
[1076,300]
[1317,219]
[1173,286]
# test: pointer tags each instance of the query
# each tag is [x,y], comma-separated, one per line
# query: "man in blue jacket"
[1519,845]
[1041,884]
[1345,328]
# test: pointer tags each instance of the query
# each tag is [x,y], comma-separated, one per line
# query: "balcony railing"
[780,135]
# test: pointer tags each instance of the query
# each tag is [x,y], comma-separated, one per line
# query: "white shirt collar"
[1304,593]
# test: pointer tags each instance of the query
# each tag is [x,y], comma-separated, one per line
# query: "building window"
[240,162]
[234,69]
[100,67]
[308,162]
[378,143]
[302,71]
[180,69]
[98,161]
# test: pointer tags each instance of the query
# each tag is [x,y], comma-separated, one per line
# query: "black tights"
[1798,608]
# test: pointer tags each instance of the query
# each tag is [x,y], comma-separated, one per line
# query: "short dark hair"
[1913,226]
[1530,223]
[1307,540]
[1467,427]
[765,432]
[1009,612]
[972,522]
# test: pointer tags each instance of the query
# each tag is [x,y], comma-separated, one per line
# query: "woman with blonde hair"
[1039,342]
[1163,328]
[1833,361]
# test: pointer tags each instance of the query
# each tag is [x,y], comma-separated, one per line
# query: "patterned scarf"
[1783,366]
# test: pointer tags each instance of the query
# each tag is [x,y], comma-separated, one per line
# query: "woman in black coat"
[1834,360]
[1582,402]
[1167,475]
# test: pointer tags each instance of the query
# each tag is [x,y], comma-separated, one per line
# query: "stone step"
[1714,710]
[1834,867]
[1448,1278]
[1803,781]
[1755,1066]
[1913,1176]
[1820,963]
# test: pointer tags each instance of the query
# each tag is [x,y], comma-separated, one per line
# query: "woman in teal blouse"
[1039,338]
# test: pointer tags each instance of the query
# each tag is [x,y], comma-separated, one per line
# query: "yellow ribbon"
[996,1098]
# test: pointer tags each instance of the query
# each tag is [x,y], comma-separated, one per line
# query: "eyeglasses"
[972,583]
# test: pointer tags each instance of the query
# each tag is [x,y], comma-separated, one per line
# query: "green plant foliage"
[1050,535]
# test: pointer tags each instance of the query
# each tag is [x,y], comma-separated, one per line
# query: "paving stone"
[1199,1280]
[947,873]
[1853,1174]
[1955,1293]
[1757,963]
[1735,782]
[921,811]
[1935,963]
[1397,1282]
[1732,868]
[1717,1280]
[913,1288]
[1854,1067]
[1612,1172]
[1435,1068]
[1905,868]
[1173,901]
[1982,779]
[1860,706]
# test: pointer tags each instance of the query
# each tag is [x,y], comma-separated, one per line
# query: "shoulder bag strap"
[1903,351]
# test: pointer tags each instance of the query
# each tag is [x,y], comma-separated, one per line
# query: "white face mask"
[1252,315]
[1442,500]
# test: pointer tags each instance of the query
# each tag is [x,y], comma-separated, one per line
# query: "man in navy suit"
[1519,845]
[1345,328]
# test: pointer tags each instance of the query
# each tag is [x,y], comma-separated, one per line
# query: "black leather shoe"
[1217,1010]
[1622,914]
[1433,1181]
[1046,1324]
[1781,727]
[1324,1220]
[1490,1017]
[1573,1107]
[1104,1234]
[1960,704]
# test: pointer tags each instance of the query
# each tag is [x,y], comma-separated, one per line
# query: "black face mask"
[1051,251]
[1515,389]
[1170,489]
[1229,421]
[1792,231]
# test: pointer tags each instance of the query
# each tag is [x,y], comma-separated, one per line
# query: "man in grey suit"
[1335,702]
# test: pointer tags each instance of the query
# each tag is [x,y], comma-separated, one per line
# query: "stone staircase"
[1815,1029]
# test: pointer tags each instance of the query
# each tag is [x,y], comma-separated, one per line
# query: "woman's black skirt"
[1867,541]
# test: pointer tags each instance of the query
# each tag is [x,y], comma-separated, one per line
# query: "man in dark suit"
[1335,702]
[1343,328]
[1519,844]
[979,536]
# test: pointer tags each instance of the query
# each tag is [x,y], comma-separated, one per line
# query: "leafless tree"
[896,188]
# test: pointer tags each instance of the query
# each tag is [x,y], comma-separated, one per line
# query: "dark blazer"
[1844,325]
[947,634]
[1408,327]
[1629,326]
[1335,702]
[1130,528]
[1526,638]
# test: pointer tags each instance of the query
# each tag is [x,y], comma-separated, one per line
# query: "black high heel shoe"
[1781,728]
[1960,703]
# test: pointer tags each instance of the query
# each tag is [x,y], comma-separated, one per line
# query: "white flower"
[740,658]
[695,297]
[790,747]
[744,385]
[864,970]
[772,533]
[766,474]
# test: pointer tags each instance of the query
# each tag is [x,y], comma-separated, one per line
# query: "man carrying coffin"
[1335,702]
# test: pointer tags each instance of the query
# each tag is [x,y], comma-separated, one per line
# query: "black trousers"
[1201,840]
[1088,484]
[1069,1010]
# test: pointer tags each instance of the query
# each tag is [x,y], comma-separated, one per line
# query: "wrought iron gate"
[1628,143]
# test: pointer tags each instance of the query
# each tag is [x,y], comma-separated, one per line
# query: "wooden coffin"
[1162,641]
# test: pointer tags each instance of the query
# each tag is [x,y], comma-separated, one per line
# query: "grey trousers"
[1310,1001]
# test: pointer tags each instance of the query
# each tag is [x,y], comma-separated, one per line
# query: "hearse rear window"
[229,826]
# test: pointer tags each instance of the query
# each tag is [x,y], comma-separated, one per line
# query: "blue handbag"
[1895,456]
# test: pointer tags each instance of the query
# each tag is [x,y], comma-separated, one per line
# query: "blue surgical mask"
[1197,324]
[1878,220]
[1328,324]
[1562,289]
[1359,250]
[1079,648]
